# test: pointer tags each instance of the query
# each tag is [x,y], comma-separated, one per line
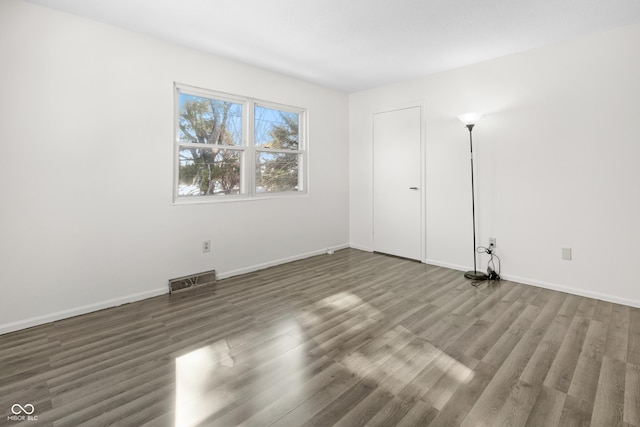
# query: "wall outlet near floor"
[492,241]
[566,254]
[206,246]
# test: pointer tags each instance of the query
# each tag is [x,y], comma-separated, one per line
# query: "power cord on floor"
[492,272]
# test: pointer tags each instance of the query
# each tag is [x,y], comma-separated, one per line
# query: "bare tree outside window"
[277,134]
[206,170]
[218,154]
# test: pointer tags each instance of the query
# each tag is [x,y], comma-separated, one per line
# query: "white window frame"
[248,148]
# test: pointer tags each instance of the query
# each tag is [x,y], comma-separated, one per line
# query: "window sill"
[199,200]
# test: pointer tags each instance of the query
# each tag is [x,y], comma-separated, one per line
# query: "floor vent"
[187,282]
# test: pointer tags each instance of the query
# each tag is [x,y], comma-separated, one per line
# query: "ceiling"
[351,45]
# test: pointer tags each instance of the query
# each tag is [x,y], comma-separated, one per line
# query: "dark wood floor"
[347,339]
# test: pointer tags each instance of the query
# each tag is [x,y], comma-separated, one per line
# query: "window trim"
[248,148]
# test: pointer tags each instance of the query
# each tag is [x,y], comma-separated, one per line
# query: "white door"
[397,186]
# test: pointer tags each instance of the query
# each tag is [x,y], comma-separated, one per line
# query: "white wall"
[557,162]
[86,168]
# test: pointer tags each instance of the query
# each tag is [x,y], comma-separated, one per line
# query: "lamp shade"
[470,118]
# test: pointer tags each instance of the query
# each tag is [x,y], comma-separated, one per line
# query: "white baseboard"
[446,265]
[64,314]
[574,291]
[361,248]
[251,269]
[59,315]
[553,286]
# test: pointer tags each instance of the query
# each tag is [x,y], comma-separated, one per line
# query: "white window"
[232,147]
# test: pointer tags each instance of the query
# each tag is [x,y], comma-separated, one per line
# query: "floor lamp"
[469,120]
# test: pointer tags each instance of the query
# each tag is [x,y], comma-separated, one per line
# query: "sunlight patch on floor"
[348,301]
[193,371]
[392,359]
[456,370]
[373,356]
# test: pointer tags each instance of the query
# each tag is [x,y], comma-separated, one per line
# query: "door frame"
[423,174]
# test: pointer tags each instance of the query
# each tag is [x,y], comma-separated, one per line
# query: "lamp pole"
[469,121]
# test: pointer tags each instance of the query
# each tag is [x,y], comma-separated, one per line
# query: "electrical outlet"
[206,246]
[492,241]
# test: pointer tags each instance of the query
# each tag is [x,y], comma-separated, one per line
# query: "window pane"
[207,171]
[209,121]
[276,129]
[276,172]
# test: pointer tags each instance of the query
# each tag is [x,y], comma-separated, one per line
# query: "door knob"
[413,188]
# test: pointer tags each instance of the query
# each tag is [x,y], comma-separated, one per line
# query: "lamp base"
[476,275]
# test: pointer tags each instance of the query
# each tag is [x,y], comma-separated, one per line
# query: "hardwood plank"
[586,308]
[512,337]
[103,387]
[448,330]
[437,381]
[374,353]
[602,311]
[421,414]
[617,333]
[518,405]
[475,332]
[584,383]
[120,399]
[452,379]
[570,305]
[608,408]
[510,312]
[455,411]
[293,382]
[562,369]
[538,366]
[575,412]
[273,403]
[633,349]
[632,394]
[490,403]
[543,297]
[366,409]
[489,308]
[547,409]
[347,403]
[634,320]
[404,365]
[391,413]
[306,410]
